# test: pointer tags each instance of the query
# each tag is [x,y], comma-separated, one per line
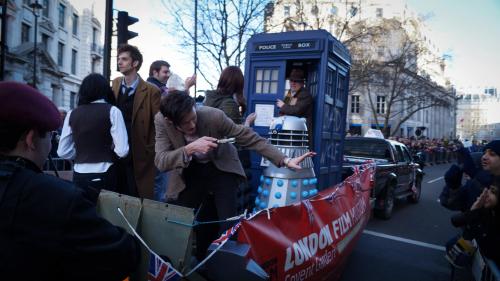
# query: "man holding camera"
[479,219]
[456,196]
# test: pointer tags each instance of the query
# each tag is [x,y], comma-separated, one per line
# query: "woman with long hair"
[230,99]
[229,96]
[94,135]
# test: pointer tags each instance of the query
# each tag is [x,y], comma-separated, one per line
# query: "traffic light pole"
[108,32]
[4,43]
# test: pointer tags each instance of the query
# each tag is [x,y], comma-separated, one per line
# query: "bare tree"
[224,27]
[393,76]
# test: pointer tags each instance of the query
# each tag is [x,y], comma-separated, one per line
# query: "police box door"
[266,84]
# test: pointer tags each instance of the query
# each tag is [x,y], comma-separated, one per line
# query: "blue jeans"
[160,188]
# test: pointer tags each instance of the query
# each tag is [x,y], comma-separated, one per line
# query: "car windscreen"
[366,148]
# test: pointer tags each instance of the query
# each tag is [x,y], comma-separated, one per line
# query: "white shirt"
[66,148]
[133,86]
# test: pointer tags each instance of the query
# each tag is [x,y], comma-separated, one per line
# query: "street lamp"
[35,9]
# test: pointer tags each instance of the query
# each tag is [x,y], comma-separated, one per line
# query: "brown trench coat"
[146,105]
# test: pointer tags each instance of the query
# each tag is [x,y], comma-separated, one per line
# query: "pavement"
[409,246]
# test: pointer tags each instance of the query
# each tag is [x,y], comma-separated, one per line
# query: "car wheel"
[388,201]
[415,196]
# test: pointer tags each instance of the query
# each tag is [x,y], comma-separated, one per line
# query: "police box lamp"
[123,34]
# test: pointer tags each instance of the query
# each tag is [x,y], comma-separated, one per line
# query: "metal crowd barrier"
[484,269]
[58,163]
[491,272]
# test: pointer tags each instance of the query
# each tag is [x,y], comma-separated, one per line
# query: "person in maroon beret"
[49,230]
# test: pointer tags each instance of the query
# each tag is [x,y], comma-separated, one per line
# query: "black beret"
[25,106]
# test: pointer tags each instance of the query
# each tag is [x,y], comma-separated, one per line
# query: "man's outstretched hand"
[294,163]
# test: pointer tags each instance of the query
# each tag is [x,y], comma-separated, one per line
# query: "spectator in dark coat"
[48,229]
[482,222]
[457,197]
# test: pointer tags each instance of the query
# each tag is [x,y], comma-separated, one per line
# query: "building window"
[75,24]
[25,33]
[94,35]
[45,41]
[74,55]
[379,12]
[72,100]
[62,14]
[46,8]
[355,104]
[94,66]
[381,104]
[381,51]
[60,54]
[266,81]
[334,10]
[286,11]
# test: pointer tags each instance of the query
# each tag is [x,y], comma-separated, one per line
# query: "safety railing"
[484,269]
[58,164]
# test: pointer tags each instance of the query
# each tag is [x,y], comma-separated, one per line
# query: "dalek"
[279,187]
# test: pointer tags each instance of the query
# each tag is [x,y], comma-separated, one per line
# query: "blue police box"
[326,64]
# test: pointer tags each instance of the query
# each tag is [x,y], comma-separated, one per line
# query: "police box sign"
[286,46]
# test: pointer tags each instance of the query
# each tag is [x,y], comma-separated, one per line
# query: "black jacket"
[484,226]
[50,231]
[225,103]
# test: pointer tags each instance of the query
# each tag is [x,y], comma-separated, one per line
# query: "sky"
[470,32]
[467,30]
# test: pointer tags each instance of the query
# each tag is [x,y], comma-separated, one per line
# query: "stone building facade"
[478,117]
[428,68]
[68,48]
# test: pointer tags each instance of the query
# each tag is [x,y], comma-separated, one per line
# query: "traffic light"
[124,20]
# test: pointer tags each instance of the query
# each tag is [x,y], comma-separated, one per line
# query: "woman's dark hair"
[176,105]
[231,82]
[94,87]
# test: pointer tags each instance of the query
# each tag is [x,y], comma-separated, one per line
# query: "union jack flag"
[160,270]
[355,169]
[227,234]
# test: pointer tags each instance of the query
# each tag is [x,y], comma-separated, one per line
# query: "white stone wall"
[439,121]
[58,83]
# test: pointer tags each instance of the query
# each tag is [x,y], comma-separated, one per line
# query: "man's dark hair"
[134,52]
[94,87]
[176,105]
[157,65]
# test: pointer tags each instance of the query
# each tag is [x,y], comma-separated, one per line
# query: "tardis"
[270,57]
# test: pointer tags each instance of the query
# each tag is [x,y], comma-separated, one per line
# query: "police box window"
[266,81]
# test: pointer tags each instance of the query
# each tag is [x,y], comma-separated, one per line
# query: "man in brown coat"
[204,171]
[138,101]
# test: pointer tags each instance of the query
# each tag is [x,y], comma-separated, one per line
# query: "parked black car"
[398,174]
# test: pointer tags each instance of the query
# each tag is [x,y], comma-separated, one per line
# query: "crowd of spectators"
[438,151]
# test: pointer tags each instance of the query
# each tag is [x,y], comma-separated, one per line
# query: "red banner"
[311,240]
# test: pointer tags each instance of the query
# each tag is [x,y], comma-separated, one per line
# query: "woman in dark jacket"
[229,96]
